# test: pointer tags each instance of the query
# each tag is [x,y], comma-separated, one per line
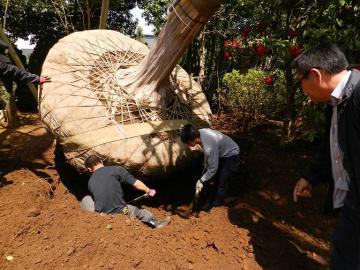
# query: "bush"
[258,93]
[310,122]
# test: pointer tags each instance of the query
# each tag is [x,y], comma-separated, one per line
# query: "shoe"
[160,223]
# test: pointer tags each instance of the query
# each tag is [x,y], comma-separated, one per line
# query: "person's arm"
[18,74]
[212,161]
[319,169]
[127,177]
[139,185]
[21,75]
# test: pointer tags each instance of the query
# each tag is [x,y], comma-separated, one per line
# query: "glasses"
[305,75]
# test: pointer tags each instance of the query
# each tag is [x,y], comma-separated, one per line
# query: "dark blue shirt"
[105,188]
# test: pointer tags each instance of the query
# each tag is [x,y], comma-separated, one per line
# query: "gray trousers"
[87,203]
[141,214]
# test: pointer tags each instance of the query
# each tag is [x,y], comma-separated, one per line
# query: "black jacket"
[349,141]
[9,71]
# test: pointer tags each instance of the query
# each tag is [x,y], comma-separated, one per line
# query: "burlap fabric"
[88,113]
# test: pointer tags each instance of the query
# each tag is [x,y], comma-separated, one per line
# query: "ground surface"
[42,226]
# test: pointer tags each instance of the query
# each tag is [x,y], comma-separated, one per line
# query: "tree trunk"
[145,82]
[202,54]
[290,104]
[88,15]
[104,14]
[11,111]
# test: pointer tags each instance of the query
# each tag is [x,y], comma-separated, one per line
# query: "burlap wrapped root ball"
[89,110]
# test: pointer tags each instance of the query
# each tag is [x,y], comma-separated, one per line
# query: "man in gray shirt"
[221,156]
[107,193]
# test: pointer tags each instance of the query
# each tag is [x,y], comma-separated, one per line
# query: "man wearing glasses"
[322,74]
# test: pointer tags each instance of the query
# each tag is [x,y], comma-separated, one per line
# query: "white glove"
[198,187]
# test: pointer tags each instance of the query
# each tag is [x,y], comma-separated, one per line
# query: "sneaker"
[160,223]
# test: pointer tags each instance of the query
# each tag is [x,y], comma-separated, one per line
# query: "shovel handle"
[139,198]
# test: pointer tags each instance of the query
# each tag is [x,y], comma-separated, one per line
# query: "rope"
[172,8]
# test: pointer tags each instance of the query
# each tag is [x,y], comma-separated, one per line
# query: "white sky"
[147,29]
[136,12]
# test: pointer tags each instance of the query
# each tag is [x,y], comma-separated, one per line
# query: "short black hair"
[92,160]
[189,133]
[327,57]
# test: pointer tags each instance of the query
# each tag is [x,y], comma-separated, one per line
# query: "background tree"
[243,35]
[139,34]
[155,12]
[266,35]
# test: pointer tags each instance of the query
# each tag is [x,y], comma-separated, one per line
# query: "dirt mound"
[42,226]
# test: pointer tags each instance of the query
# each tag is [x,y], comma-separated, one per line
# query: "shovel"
[139,198]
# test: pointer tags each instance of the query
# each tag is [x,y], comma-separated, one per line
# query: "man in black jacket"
[323,75]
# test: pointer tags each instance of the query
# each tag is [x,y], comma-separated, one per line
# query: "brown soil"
[42,226]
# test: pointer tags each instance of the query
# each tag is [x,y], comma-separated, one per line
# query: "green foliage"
[155,12]
[248,93]
[309,124]
[284,28]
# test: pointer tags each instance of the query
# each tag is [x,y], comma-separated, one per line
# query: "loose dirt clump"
[42,226]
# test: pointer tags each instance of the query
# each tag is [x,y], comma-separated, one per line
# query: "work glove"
[151,192]
[198,187]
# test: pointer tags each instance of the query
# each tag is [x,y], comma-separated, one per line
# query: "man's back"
[105,188]
[211,138]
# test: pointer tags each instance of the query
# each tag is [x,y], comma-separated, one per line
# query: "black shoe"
[160,223]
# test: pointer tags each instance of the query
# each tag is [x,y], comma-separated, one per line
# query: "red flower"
[227,54]
[235,44]
[294,50]
[293,33]
[245,33]
[269,80]
[358,67]
[260,49]
[226,43]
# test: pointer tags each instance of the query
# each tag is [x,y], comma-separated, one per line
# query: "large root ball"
[90,108]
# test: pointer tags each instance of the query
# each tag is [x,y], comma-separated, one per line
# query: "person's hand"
[44,79]
[151,192]
[302,189]
[198,187]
